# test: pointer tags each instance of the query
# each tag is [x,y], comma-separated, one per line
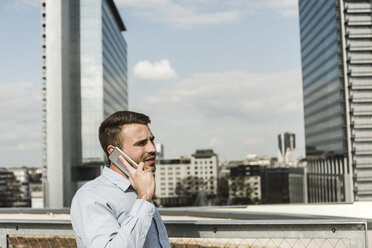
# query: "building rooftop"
[359,210]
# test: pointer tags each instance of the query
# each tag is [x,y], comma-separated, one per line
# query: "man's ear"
[110,148]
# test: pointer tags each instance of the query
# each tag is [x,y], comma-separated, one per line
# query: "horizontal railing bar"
[204,222]
[356,231]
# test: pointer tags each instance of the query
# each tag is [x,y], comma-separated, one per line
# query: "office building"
[287,149]
[274,185]
[182,181]
[336,55]
[11,194]
[297,185]
[245,184]
[84,79]
[36,187]
[171,178]
[23,178]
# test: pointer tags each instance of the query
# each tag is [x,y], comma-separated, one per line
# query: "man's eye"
[142,143]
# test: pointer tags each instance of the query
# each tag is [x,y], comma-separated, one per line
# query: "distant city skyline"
[224,76]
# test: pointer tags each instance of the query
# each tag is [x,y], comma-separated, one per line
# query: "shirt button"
[143,236]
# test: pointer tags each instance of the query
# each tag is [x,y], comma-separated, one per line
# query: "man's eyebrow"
[140,141]
[144,140]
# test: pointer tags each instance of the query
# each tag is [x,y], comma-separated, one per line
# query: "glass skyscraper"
[336,58]
[84,78]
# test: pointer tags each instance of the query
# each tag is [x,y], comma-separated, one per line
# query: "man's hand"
[143,181]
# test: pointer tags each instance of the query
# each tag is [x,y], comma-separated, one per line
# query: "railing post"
[3,240]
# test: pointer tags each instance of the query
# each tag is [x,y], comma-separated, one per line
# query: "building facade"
[185,180]
[337,88]
[275,185]
[84,79]
[12,192]
[297,185]
[245,184]
[23,178]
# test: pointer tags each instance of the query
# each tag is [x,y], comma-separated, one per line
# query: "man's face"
[138,143]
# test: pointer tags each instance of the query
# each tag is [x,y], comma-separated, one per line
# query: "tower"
[337,88]
[287,149]
[84,79]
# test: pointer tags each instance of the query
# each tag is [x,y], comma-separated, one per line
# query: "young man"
[114,210]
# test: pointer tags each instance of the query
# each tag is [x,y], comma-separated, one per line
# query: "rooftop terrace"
[319,225]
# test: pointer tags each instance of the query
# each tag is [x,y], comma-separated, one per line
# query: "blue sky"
[211,74]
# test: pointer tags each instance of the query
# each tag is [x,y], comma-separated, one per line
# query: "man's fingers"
[130,169]
[140,166]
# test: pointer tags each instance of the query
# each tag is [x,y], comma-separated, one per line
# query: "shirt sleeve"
[97,226]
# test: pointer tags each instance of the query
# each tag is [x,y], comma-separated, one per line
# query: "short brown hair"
[111,127]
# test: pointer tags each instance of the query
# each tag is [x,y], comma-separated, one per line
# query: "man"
[114,210]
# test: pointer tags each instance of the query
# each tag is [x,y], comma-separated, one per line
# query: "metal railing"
[205,233]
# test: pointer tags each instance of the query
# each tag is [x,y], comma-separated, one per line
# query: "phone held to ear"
[114,157]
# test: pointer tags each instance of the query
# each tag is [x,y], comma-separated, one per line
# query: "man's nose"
[151,148]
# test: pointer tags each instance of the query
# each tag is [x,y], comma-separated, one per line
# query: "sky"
[222,75]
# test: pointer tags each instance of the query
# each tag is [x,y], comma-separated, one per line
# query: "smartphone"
[114,157]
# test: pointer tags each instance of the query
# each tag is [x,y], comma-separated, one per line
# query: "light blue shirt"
[105,212]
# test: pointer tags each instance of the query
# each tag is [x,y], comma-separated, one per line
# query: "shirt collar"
[116,178]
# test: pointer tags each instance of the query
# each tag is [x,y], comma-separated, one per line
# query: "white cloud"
[182,15]
[20,123]
[189,14]
[214,142]
[287,8]
[161,70]
[233,112]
